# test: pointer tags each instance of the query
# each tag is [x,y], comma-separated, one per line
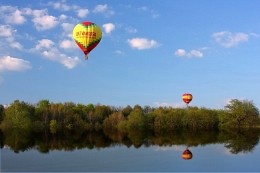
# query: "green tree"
[113,120]
[127,110]
[149,121]
[88,111]
[192,119]
[19,115]
[1,113]
[160,119]
[100,113]
[135,120]
[148,109]
[209,118]
[175,117]
[43,111]
[240,114]
[54,127]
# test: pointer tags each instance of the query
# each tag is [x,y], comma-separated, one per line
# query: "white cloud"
[167,104]
[100,8]
[143,8]
[8,63]
[6,8]
[171,148]
[69,62]
[6,31]
[41,19]
[109,27]
[119,52]
[228,39]
[53,54]
[44,22]
[196,53]
[191,54]
[103,9]
[221,104]
[16,18]
[227,101]
[63,17]
[44,43]
[16,45]
[36,13]
[254,34]
[68,44]
[65,7]
[67,28]
[60,6]
[26,11]
[48,50]
[12,15]
[180,52]
[83,13]
[131,30]
[142,43]
[153,13]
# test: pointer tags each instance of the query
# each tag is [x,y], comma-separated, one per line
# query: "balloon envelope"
[187,98]
[87,35]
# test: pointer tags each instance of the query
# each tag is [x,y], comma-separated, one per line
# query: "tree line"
[236,141]
[57,117]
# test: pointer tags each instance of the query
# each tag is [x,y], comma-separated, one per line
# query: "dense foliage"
[57,117]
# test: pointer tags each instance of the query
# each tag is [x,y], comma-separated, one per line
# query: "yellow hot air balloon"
[87,35]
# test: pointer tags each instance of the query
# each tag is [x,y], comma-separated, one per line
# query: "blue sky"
[151,52]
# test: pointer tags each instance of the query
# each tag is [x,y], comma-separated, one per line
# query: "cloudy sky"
[151,53]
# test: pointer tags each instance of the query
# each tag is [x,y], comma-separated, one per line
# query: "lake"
[99,152]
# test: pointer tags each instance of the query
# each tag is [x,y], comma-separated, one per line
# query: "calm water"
[210,158]
[212,152]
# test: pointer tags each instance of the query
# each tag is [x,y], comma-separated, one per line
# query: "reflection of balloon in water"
[87,35]
[187,98]
[187,155]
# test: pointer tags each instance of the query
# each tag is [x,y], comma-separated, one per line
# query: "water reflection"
[242,141]
[187,154]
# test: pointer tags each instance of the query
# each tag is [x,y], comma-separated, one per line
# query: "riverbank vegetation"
[68,116]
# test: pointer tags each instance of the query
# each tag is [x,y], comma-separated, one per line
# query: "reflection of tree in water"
[242,140]
[1,139]
[18,140]
[187,154]
[235,141]
[186,137]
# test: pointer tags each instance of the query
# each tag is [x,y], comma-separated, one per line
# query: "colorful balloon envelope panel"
[187,98]
[87,35]
[187,154]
